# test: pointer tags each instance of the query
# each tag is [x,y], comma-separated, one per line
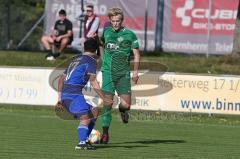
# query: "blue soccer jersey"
[77,74]
[76,77]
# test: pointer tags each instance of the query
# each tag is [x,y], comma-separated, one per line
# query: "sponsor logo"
[181,12]
[193,16]
[112,46]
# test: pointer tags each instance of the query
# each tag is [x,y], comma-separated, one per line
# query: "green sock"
[106,116]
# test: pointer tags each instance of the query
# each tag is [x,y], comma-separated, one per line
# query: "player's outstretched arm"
[96,87]
[60,86]
[136,61]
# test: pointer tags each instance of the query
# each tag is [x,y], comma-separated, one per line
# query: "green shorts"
[111,82]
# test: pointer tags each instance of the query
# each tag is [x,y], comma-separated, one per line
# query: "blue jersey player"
[81,70]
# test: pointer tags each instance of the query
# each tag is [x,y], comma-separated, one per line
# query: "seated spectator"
[62,35]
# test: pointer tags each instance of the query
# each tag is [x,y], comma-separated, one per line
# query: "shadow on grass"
[146,142]
[113,145]
[156,142]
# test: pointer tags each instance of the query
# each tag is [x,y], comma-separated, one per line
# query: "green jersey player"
[118,42]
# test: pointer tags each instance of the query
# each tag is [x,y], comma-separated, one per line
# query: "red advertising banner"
[199,26]
[192,16]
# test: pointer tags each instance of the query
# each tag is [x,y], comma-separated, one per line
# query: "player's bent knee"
[127,106]
[84,122]
[94,112]
[84,119]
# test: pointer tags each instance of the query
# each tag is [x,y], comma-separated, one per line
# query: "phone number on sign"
[24,93]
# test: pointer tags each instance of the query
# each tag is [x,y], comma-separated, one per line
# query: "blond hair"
[115,11]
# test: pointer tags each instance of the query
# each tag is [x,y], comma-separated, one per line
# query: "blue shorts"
[76,104]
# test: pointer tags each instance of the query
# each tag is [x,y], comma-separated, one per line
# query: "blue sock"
[91,126]
[82,133]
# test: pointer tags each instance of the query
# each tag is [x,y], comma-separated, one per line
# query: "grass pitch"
[37,133]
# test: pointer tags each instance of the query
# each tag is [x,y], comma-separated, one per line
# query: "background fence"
[17,18]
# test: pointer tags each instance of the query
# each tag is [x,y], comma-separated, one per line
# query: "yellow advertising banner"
[200,93]
[155,91]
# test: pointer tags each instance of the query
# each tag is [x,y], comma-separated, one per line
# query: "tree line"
[17,18]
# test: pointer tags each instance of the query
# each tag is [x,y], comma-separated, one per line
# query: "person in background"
[91,25]
[62,35]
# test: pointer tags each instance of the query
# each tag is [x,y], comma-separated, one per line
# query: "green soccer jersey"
[117,49]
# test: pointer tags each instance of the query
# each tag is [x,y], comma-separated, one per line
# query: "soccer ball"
[95,137]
